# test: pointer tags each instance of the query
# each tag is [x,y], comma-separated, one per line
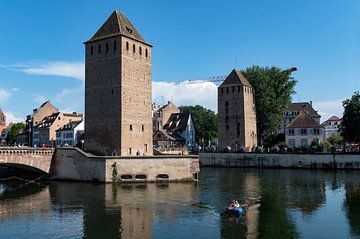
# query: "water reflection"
[294,204]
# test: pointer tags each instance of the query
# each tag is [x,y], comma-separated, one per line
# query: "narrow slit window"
[134,49]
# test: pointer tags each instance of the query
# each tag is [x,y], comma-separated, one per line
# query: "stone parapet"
[253,160]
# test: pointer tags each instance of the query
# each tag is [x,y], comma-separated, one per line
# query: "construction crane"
[216,79]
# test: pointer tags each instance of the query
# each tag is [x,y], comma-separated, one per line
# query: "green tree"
[205,122]
[350,127]
[273,90]
[335,139]
[13,133]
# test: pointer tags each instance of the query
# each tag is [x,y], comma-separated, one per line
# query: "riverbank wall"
[283,160]
[75,164]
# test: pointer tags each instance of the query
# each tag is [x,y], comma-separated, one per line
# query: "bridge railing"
[26,150]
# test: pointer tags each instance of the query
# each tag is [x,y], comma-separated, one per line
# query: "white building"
[70,134]
[303,130]
[331,127]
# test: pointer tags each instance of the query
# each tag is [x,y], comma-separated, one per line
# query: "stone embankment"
[254,160]
[74,164]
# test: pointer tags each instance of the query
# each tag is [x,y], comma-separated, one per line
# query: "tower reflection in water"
[293,205]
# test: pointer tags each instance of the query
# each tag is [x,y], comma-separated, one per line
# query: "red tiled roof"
[303,120]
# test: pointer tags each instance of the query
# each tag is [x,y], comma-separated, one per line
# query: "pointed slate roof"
[117,25]
[235,78]
[303,120]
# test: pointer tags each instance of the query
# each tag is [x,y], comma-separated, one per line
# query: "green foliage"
[350,128]
[335,139]
[273,90]
[324,147]
[205,122]
[13,133]
[283,145]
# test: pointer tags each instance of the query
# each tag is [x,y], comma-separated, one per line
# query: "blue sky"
[42,55]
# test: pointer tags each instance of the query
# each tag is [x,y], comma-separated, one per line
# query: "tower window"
[92,50]
[142,127]
[238,88]
[134,49]
[131,128]
[146,52]
[227,127]
[114,45]
[222,90]
[99,48]
[140,50]
[227,89]
[127,46]
[107,47]
[233,89]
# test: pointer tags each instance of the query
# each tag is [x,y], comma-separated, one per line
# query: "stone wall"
[74,164]
[324,161]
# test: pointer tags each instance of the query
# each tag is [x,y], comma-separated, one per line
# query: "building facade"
[44,133]
[161,115]
[236,114]
[70,134]
[118,90]
[303,130]
[332,127]
[292,110]
[33,119]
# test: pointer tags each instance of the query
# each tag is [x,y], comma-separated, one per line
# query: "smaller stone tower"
[236,113]
[2,121]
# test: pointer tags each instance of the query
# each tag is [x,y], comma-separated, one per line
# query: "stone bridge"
[27,158]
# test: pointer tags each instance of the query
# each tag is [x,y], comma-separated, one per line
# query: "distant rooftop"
[304,120]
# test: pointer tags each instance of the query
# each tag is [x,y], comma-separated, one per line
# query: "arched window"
[146,52]
[134,50]
[127,45]
[140,50]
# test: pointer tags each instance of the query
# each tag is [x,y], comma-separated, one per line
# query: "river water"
[294,204]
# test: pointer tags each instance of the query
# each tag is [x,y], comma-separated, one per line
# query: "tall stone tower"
[236,113]
[118,90]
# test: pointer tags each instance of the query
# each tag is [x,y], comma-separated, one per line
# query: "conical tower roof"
[235,78]
[117,25]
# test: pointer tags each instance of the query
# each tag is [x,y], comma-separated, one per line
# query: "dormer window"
[129,30]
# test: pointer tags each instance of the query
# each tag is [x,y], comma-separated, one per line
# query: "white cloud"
[15,89]
[71,100]
[185,93]
[12,118]
[39,98]
[74,70]
[329,108]
[4,95]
